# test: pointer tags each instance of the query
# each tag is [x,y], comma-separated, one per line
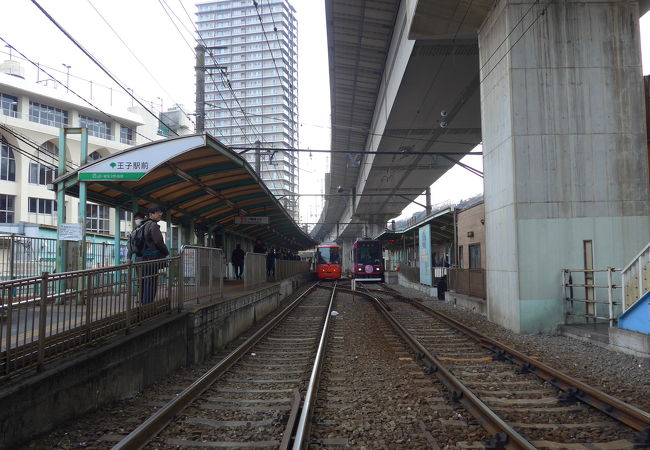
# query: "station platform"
[123,364]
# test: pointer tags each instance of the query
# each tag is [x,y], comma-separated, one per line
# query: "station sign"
[251,220]
[134,164]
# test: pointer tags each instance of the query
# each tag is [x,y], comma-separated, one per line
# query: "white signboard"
[251,220]
[136,164]
[70,232]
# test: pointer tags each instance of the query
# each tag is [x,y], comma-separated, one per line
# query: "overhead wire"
[35,158]
[226,82]
[98,63]
[140,62]
[277,71]
[72,90]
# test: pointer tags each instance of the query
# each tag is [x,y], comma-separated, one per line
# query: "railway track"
[522,402]
[250,398]
[384,373]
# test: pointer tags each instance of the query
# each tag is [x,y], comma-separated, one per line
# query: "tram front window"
[369,254]
[328,255]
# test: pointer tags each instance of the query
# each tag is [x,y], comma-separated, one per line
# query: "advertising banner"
[425,255]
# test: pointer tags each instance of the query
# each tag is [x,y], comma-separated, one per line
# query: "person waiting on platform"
[237,260]
[154,249]
[259,247]
[138,219]
[270,263]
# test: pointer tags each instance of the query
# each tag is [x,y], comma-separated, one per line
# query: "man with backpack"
[138,219]
[150,246]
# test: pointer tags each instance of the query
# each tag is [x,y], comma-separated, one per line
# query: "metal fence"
[203,269]
[24,256]
[467,282]
[635,278]
[254,270]
[286,268]
[49,315]
[590,294]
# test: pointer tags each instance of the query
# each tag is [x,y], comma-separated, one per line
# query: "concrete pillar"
[564,147]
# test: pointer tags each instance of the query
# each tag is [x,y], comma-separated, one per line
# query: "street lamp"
[67,80]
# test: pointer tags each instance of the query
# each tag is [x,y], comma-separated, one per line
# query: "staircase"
[636,294]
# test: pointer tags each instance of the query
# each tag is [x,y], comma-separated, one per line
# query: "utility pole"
[200,88]
[428,202]
[258,161]
[67,78]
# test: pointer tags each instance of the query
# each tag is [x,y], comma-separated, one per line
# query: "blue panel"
[425,255]
[637,317]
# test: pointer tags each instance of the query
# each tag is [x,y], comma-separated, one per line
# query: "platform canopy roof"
[442,227]
[197,179]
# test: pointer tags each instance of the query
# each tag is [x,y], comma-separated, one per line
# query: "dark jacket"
[237,257]
[154,245]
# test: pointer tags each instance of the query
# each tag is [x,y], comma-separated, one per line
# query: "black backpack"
[137,239]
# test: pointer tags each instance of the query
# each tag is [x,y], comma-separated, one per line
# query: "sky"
[162,71]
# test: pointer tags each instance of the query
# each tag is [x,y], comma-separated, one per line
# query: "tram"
[368,259]
[328,261]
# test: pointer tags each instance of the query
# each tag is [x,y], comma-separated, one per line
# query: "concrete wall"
[477,305]
[431,291]
[212,327]
[565,154]
[69,388]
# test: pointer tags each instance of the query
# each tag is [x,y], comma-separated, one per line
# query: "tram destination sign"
[251,220]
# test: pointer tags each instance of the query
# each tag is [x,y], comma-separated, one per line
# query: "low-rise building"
[31,115]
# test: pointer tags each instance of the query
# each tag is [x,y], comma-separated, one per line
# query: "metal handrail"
[207,283]
[47,316]
[569,298]
[627,274]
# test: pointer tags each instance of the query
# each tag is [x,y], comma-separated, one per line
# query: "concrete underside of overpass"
[555,93]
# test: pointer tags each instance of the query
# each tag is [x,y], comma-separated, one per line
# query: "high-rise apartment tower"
[251,86]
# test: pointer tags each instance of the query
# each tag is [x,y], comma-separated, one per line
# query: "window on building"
[95,156]
[48,115]
[460,256]
[9,105]
[98,218]
[126,135]
[96,127]
[7,162]
[474,256]
[41,206]
[39,172]
[7,203]
[126,216]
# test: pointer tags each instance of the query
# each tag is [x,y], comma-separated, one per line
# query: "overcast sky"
[150,34]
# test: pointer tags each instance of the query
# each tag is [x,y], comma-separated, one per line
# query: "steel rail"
[139,437]
[459,392]
[576,389]
[302,431]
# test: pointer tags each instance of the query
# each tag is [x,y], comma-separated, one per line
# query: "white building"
[31,115]
[251,85]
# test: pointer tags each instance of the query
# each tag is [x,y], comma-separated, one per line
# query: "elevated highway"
[552,88]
